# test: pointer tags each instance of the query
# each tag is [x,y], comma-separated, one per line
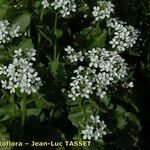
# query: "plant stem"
[39,35]
[84,111]
[12,101]
[42,14]
[24,107]
[55,43]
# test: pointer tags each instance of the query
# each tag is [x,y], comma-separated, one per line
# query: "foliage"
[49,114]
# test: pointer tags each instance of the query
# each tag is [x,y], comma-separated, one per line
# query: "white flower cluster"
[45,3]
[65,7]
[94,129]
[20,74]
[124,36]
[8,32]
[72,55]
[18,6]
[110,68]
[105,68]
[103,10]
[82,85]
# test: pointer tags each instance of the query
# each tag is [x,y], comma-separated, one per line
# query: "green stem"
[55,43]
[42,14]
[12,101]
[39,35]
[24,107]
[84,111]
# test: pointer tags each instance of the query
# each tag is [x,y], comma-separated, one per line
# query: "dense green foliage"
[50,114]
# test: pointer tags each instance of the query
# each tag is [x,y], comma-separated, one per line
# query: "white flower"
[81,85]
[14,31]
[72,55]
[45,3]
[102,124]
[95,119]
[8,32]
[69,49]
[99,134]
[80,56]
[110,68]
[65,7]
[131,85]
[94,129]
[87,133]
[31,55]
[105,68]
[3,70]
[20,74]
[4,83]
[103,10]
[124,36]
[17,53]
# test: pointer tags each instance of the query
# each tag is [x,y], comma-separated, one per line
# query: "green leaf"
[133,118]
[71,103]
[100,40]
[43,104]
[120,117]
[96,32]
[54,66]
[33,112]
[94,104]
[3,8]
[78,116]
[23,20]
[61,71]
[26,43]
[7,112]
[86,31]
[58,33]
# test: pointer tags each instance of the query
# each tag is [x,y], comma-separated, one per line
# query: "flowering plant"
[56,76]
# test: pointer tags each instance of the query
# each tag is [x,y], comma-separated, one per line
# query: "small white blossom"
[69,50]
[8,32]
[3,70]
[81,84]
[94,129]
[124,36]
[72,55]
[99,134]
[45,3]
[131,85]
[95,119]
[103,10]
[65,7]
[87,133]
[14,31]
